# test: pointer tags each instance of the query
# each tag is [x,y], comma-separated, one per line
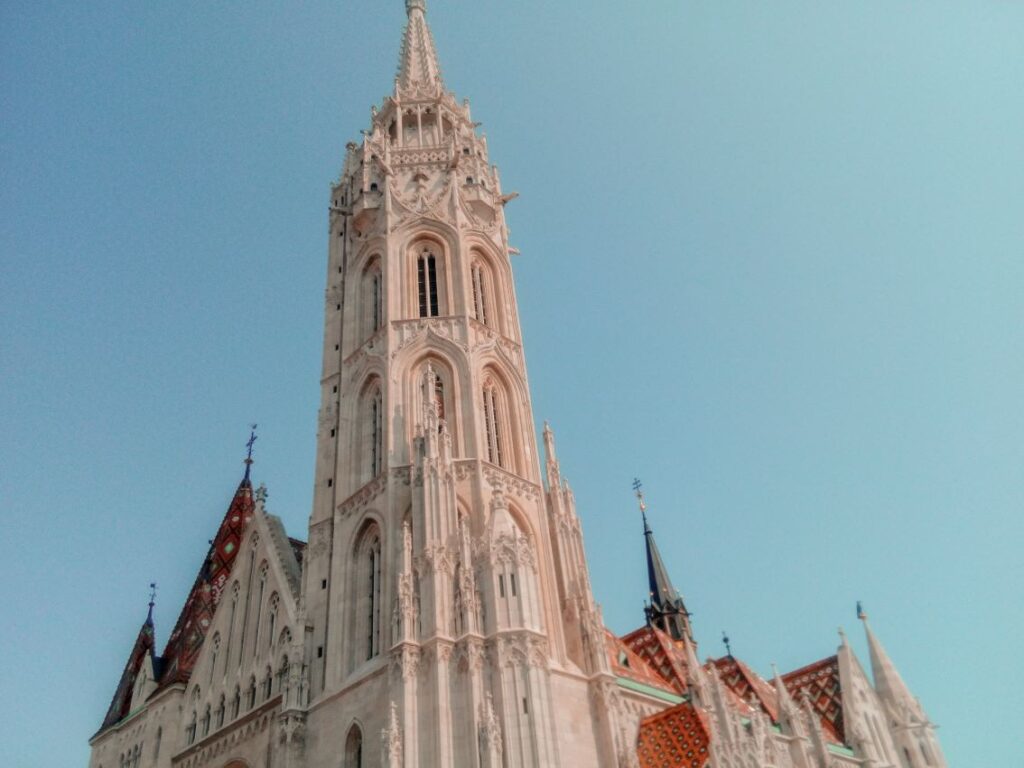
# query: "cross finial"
[728,647]
[248,455]
[638,489]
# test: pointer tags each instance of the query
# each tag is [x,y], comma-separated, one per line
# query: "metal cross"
[152,593]
[252,439]
[638,488]
[728,648]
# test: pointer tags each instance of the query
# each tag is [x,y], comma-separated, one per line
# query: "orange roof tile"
[748,685]
[819,683]
[674,738]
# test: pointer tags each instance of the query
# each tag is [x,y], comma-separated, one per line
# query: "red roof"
[190,630]
[665,656]
[819,683]
[748,685]
[627,663]
[674,738]
[122,701]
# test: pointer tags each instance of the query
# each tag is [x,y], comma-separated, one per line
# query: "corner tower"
[449,614]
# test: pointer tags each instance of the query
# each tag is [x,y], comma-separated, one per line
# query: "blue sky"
[771,263]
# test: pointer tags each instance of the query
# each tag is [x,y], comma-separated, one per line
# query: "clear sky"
[772,263]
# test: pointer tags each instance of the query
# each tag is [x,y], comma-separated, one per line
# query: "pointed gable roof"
[190,630]
[820,684]
[122,701]
[677,737]
[748,685]
[667,657]
[418,67]
[625,662]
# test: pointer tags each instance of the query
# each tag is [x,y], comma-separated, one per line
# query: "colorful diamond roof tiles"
[674,738]
[190,630]
[627,663]
[119,706]
[819,683]
[664,655]
[748,685]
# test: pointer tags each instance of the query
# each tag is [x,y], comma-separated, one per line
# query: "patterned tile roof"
[119,705]
[664,655]
[748,685]
[674,738]
[819,683]
[186,639]
[627,663]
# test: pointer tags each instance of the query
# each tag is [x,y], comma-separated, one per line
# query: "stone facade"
[441,613]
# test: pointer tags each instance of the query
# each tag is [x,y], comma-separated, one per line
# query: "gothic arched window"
[214,653]
[427,283]
[259,608]
[231,625]
[372,298]
[481,310]
[268,683]
[366,605]
[275,601]
[354,748]
[494,425]
[375,416]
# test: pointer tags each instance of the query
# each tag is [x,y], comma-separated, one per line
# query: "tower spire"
[888,683]
[666,609]
[418,67]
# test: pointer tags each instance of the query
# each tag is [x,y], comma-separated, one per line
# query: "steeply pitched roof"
[122,701]
[820,684]
[418,67]
[627,663]
[748,685]
[677,737]
[186,639]
[665,656]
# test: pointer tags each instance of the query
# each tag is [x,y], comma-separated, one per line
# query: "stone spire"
[666,609]
[418,68]
[888,684]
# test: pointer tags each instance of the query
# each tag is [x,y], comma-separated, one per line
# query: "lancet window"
[275,601]
[354,748]
[372,298]
[427,284]
[214,653]
[259,608]
[494,425]
[374,406]
[482,310]
[367,605]
[268,683]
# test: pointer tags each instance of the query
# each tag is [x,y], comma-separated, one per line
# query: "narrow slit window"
[426,278]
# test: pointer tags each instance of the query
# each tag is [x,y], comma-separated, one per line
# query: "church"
[439,613]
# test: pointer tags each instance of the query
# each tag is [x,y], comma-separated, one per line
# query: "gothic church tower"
[445,588]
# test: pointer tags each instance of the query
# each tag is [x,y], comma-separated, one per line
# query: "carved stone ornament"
[363,496]
[319,540]
[405,661]
[391,740]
